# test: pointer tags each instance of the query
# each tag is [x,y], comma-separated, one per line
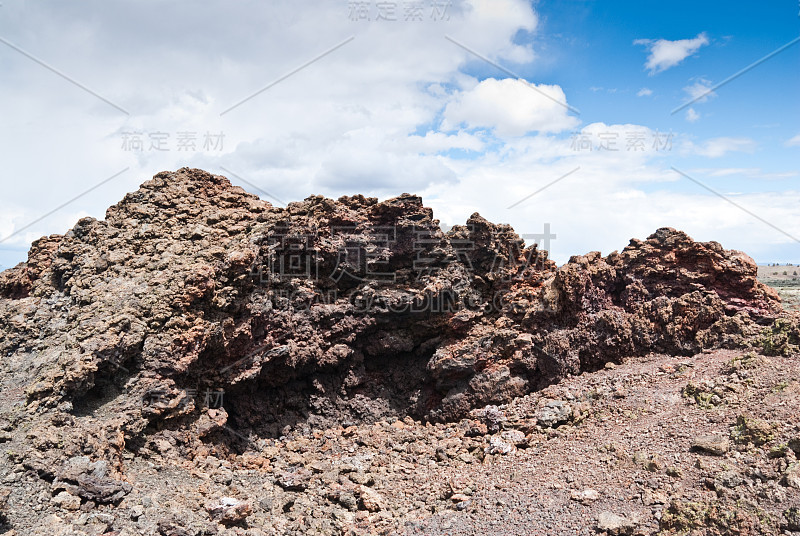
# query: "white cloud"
[363,119]
[700,91]
[644,92]
[367,109]
[717,147]
[510,107]
[665,54]
[612,197]
[691,115]
[488,25]
[434,142]
[793,142]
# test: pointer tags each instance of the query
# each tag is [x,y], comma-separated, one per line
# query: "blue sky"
[382,107]
[587,48]
[592,45]
[761,104]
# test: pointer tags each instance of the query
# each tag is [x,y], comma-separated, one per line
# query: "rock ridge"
[332,311]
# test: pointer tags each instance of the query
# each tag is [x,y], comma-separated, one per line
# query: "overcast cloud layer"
[292,100]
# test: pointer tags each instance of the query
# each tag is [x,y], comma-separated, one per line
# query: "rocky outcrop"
[195,306]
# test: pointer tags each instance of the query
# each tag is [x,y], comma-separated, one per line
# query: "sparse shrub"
[783,338]
[704,394]
[747,361]
[681,517]
[780,387]
[753,431]
[778,451]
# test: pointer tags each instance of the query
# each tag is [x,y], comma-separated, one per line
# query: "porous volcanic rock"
[196,307]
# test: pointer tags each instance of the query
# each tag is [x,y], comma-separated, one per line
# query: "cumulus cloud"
[665,54]
[510,107]
[367,109]
[488,31]
[613,195]
[397,108]
[691,115]
[644,92]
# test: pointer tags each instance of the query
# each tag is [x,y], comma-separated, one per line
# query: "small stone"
[715,445]
[371,499]
[101,518]
[498,446]
[294,480]
[364,479]
[266,503]
[792,516]
[650,498]
[640,457]
[586,496]
[474,428]
[171,528]
[791,476]
[653,465]
[515,437]
[348,500]
[67,501]
[228,510]
[615,525]
[674,472]
[778,451]
[728,479]
[554,413]
[137,512]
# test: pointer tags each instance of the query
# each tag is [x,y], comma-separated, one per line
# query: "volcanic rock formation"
[346,310]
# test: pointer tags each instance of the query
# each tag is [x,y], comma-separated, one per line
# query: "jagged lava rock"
[329,310]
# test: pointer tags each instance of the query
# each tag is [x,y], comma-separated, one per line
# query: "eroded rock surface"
[198,315]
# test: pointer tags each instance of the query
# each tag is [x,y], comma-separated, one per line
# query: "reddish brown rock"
[193,294]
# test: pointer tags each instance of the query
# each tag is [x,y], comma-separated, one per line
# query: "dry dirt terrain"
[660,445]
[201,362]
[786,280]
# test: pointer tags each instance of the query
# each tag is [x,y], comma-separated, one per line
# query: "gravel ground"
[611,449]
